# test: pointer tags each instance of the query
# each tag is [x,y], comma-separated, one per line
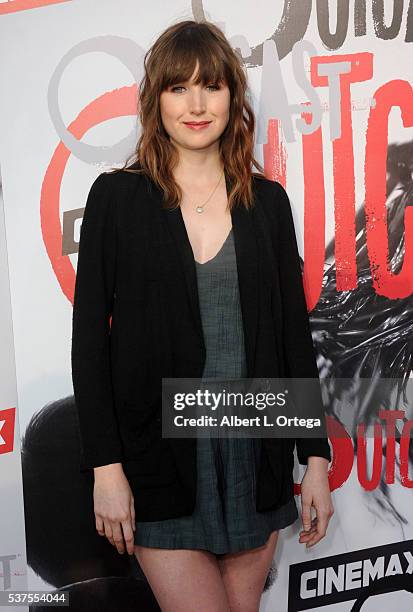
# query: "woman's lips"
[198,126]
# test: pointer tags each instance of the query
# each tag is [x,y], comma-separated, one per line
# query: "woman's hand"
[114,507]
[315,490]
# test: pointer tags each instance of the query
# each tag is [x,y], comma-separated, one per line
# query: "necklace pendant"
[199,209]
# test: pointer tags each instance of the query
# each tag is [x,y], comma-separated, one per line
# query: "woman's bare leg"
[183,580]
[244,574]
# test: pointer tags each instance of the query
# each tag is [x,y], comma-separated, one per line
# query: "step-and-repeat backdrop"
[331,85]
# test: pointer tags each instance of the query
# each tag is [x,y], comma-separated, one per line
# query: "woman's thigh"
[183,580]
[244,575]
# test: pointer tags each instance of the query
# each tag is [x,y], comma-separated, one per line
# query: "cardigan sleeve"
[100,442]
[298,345]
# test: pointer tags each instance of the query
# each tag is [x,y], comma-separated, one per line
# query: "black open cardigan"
[136,266]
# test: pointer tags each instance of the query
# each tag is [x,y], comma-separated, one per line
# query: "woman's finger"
[118,537]
[128,535]
[132,513]
[108,530]
[321,530]
[305,535]
[306,514]
[312,528]
[99,525]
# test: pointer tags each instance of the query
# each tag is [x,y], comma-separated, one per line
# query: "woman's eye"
[173,88]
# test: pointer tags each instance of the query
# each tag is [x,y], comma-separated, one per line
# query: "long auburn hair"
[172,59]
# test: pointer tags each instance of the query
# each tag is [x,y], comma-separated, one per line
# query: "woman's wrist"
[112,469]
[320,462]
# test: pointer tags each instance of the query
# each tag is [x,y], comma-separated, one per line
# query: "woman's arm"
[92,307]
[301,363]
[297,341]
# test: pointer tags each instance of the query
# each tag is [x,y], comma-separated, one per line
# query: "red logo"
[7,418]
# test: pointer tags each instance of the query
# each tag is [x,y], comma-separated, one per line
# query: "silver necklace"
[200,207]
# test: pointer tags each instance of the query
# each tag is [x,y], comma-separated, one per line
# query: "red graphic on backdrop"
[7,420]
[343,452]
[117,103]
[397,93]
[14,6]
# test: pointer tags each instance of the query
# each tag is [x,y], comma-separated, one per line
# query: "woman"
[170,250]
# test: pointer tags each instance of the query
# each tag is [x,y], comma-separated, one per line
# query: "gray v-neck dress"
[225,518]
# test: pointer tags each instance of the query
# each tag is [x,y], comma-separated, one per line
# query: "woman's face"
[186,102]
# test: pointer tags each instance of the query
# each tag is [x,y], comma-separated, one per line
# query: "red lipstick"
[197,125]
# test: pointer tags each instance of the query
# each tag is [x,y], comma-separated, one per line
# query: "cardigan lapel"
[246,251]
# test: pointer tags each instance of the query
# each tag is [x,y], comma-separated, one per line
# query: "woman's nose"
[197,101]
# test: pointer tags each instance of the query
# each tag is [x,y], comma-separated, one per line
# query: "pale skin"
[235,581]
